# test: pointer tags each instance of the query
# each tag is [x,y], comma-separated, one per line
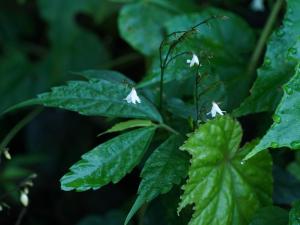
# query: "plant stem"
[264,37]
[17,128]
[196,94]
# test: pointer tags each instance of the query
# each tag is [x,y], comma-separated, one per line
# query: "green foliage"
[279,62]
[270,215]
[128,125]
[285,119]
[45,43]
[219,177]
[294,218]
[95,98]
[108,162]
[164,168]
[223,47]
[140,24]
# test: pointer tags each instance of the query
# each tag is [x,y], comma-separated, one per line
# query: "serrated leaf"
[223,47]
[95,98]
[128,124]
[140,24]
[270,215]
[283,132]
[278,66]
[224,189]
[109,75]
[294,217]
[163,169]
[108,162]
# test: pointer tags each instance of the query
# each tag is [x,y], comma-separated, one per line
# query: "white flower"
[24,199]
[257,5]
[7,155]
[193,61]
[215,109]
[133,97]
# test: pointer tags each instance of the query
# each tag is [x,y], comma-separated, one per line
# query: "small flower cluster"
[133,98]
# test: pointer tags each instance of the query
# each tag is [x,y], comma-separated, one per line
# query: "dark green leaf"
[283,132]
[270,215]
[141,23]
[223,47]
[223,188]
[95,98]
[108,162]
[294,218]
[286,187]
[278,66]
[164,168]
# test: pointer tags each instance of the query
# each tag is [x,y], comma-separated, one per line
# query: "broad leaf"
[294,218]
[140,24]
[286,119]
[67,51]
[223,47]
[278,66]
[108,162]
[164,168]
[270,216]
[128,125]
[95,98]
[223,188]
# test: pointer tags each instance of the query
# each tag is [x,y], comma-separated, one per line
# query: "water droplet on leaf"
[292,51]
[242,162]
[276,118]
[274,144]
[288,90]
[267,62]
[295,144]
[280,32]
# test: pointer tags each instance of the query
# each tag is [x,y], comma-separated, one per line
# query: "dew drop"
[295,144]
[267,62]
[280,32]
[288,89]
[292,51]
[274,144]
[242,162]
[276,118]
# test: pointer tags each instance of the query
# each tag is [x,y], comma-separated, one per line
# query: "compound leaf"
[108,162]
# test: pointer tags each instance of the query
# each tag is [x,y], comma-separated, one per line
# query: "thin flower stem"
[164,62]
[12,133]
[264,37]
[196,94]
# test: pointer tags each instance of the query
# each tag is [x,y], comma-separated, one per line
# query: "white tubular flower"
[215,109]
[132,97]
[257,5]
[7,155]
[193,61]
[24,199]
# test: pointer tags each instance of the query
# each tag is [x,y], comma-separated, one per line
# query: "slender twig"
[264,37]
[21,216]
[164,62]
[11,134]
[196,94]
